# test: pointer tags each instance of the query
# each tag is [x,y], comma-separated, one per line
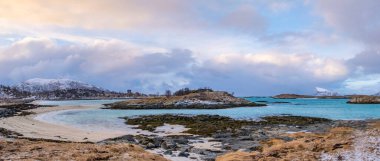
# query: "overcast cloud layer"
[247,47]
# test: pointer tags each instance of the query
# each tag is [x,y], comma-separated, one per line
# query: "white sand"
[32,128]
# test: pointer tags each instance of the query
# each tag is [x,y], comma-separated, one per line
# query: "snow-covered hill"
[7,92]
[377,94]
[38,85]
[324,92]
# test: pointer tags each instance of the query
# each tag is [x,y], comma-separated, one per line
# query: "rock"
[150,146]
[183,154]
[364,100]
[181,140]
[255,147]
[168,152]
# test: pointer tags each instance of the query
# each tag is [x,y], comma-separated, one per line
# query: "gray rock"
[168,152]
[183,154]
[150,146]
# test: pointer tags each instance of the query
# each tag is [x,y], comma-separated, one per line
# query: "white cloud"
[359,20]
[276,65]
[367,84]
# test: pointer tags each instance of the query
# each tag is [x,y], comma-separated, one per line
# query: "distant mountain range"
[325,92]
[57,89]
[38,85]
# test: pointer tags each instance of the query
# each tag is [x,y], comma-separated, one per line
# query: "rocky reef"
[364,100]
[197,100]
[207,125]
[261,137]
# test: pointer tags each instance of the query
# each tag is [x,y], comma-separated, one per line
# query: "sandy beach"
[32,128]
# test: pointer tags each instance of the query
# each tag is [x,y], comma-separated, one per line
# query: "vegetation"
[186,91]
[209,124]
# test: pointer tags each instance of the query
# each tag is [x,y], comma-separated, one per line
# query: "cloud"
[359,20]
[365,84]
[120,65]
[111,63]
[245,18]
[272,73]
[144,16]
[366,62]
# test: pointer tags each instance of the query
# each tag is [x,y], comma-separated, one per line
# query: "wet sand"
[32,128]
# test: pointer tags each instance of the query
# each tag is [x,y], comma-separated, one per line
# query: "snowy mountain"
[324,92]
[38,85]
[377,94]
[39,88]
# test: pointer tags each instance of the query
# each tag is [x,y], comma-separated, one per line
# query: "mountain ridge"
[39,88]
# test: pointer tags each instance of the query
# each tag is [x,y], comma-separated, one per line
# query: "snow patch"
[324,92]
[366,147]
[46,85]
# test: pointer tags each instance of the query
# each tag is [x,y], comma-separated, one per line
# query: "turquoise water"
[336,109]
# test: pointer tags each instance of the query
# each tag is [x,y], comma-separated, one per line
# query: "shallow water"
[102,119]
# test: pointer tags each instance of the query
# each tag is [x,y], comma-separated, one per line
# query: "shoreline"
[30,127]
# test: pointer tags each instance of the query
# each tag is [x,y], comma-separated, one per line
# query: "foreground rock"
[198,100]
[11,109]
[22,149]
[226,135]
[339,143]
[364,100]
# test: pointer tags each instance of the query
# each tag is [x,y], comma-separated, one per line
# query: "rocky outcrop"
[291,96]
[199,100]
[364,100]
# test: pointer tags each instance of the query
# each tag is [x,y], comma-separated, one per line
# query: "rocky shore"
[198,100]
[365,100]
[213,136]
[13,109]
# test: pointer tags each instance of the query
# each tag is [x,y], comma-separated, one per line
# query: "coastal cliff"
[196,100]
[364,100]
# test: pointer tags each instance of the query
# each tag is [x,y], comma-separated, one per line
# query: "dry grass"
[305,147]
[43,150]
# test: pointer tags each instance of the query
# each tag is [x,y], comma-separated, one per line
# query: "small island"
[291,96]
[203,98]
[364,100]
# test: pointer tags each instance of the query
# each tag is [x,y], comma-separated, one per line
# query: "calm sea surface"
[336,109]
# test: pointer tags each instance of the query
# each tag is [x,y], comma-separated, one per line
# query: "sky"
[249,47]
